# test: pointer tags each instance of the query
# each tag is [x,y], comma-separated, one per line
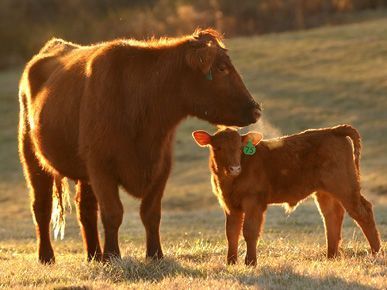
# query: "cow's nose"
[257,113]
[254,112]
[235,170]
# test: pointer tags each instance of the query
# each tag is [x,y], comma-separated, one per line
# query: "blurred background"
[314,77]
[26,24]
[311,63]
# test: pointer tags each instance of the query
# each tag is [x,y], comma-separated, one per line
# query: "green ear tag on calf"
[209,75]
[249,149]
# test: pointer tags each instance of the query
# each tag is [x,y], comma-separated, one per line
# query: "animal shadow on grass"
[286,278]
[132,270]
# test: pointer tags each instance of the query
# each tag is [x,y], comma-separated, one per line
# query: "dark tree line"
[26,24]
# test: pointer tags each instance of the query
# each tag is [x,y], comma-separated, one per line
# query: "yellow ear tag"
[249,149]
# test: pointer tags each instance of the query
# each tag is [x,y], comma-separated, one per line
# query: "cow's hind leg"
[87,212]
[105,188]
[361,211]
[333,214]
[40,184]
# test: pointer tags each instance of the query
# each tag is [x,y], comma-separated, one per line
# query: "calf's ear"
[202,138]
[255,138]
[201,58]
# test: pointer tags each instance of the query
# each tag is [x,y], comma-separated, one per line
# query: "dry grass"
[291,255]
[308,79]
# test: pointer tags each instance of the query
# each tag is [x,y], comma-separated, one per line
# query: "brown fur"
[287,170]
[105,115]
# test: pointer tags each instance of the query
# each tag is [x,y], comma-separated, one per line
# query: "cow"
[105,116]
[287,170]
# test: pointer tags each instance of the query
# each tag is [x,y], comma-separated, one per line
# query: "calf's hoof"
[379,252]
[332,255]
[251,261]
[110,257]
[155,256]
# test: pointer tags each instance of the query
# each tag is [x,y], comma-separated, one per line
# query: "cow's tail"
[349,131]
[61,201]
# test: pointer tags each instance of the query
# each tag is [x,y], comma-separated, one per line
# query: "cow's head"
[212,88]
[226,148]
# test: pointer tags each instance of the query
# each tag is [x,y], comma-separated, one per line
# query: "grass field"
[309,79]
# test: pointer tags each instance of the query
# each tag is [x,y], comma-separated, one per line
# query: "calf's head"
[212,88]
[226,149]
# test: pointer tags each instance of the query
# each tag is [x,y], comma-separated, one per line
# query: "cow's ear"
[202,57]
[202,138]
[255,138]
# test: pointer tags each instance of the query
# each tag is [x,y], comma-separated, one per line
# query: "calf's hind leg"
[40,184]
[361,211]
[87,212]
[333,214]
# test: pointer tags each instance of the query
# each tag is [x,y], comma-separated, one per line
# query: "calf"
[287,170]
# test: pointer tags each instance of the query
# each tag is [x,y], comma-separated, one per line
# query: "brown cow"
[287,170]
[105,115]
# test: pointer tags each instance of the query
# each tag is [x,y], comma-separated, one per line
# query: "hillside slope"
[307,79]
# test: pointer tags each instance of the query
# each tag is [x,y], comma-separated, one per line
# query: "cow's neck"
[160,101]
[153,126]
[160,122]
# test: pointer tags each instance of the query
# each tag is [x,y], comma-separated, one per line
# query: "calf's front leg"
[234,219]
[252,226]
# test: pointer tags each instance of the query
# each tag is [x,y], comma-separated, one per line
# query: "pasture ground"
[309,79]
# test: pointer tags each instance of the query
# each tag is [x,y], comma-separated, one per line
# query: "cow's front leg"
[150,212]
[252,226]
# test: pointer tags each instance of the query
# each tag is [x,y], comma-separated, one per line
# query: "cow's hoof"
[47,259]
[332,254]
[251,261]
[97,257]
[231,261]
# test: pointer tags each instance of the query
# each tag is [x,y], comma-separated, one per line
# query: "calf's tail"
[351,132]
[61,200]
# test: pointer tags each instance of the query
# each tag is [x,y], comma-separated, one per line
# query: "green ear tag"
[209,75]
[249,149]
